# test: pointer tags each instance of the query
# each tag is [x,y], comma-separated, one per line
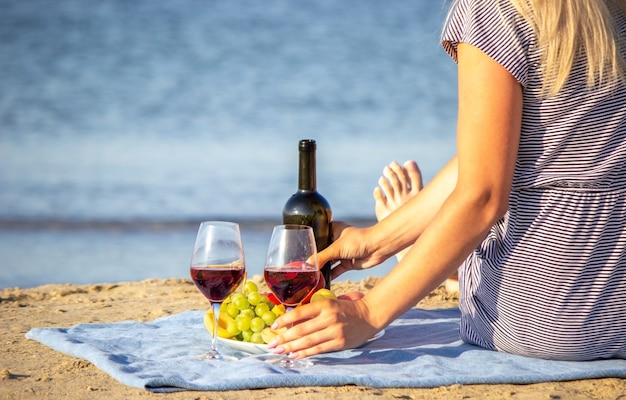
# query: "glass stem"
[288,362]
[216,317]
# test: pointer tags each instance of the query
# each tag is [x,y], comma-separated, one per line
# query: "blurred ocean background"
[123,124]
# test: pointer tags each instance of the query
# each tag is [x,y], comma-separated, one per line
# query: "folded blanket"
[420,349]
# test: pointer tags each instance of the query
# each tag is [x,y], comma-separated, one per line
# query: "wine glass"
[217,267]
[291,270]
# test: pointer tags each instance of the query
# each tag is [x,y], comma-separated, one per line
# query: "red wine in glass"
[291,285]
[217,282]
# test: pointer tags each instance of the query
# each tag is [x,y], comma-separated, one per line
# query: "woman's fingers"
[320,327]
[307,332]
[321,341]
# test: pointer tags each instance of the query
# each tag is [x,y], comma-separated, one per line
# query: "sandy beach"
[29,370]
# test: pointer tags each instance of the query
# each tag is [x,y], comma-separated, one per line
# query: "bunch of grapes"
[246,316]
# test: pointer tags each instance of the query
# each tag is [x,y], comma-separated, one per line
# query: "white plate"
[252,348]
[246,347]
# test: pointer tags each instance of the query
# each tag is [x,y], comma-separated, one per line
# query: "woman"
[533,206]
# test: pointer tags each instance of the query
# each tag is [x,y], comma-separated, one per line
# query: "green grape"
[268,317]
[250,287]
[265,299]
[254,298]
[261,309]
[243,322]
[233,298]
[257,338]
[232,310]
[241,302]
[257,324]
[248,313]
[246,336]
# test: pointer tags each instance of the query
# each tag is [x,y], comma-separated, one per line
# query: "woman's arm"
[489,120]
[489,123]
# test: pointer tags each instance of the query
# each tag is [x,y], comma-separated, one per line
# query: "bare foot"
[397,186]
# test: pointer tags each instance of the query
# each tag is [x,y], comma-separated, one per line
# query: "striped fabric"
[550,279]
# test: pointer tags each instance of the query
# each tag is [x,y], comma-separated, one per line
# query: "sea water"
[123,124]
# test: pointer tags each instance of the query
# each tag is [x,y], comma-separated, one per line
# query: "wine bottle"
[307,206]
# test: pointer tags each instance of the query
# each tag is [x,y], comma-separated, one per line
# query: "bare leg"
[397,186]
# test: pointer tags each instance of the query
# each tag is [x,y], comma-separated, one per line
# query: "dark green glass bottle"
[307,206]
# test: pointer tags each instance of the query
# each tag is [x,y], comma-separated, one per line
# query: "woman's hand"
[323,326]
[350,250]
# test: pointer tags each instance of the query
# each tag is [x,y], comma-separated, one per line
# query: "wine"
[217,282]
[307,206]
[291,286]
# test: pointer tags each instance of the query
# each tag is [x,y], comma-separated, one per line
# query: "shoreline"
[30,370]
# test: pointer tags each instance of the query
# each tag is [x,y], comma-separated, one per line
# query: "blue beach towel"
[420,349]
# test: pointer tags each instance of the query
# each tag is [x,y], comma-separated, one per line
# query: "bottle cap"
[307,145]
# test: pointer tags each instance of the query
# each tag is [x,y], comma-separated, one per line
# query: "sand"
[29,370]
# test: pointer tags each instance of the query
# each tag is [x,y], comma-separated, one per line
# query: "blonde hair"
[567,29]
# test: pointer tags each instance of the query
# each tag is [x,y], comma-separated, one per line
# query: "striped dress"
[549,280]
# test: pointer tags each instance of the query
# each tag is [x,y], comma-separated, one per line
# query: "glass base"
[215,356]
[288,363]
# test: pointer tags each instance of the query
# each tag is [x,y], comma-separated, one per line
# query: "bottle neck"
[306,170]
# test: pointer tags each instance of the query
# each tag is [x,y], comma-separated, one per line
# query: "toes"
[385,187]
[413,175]
[379,197]
[381,208]
[401,175]
[395,175]
[397,185]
